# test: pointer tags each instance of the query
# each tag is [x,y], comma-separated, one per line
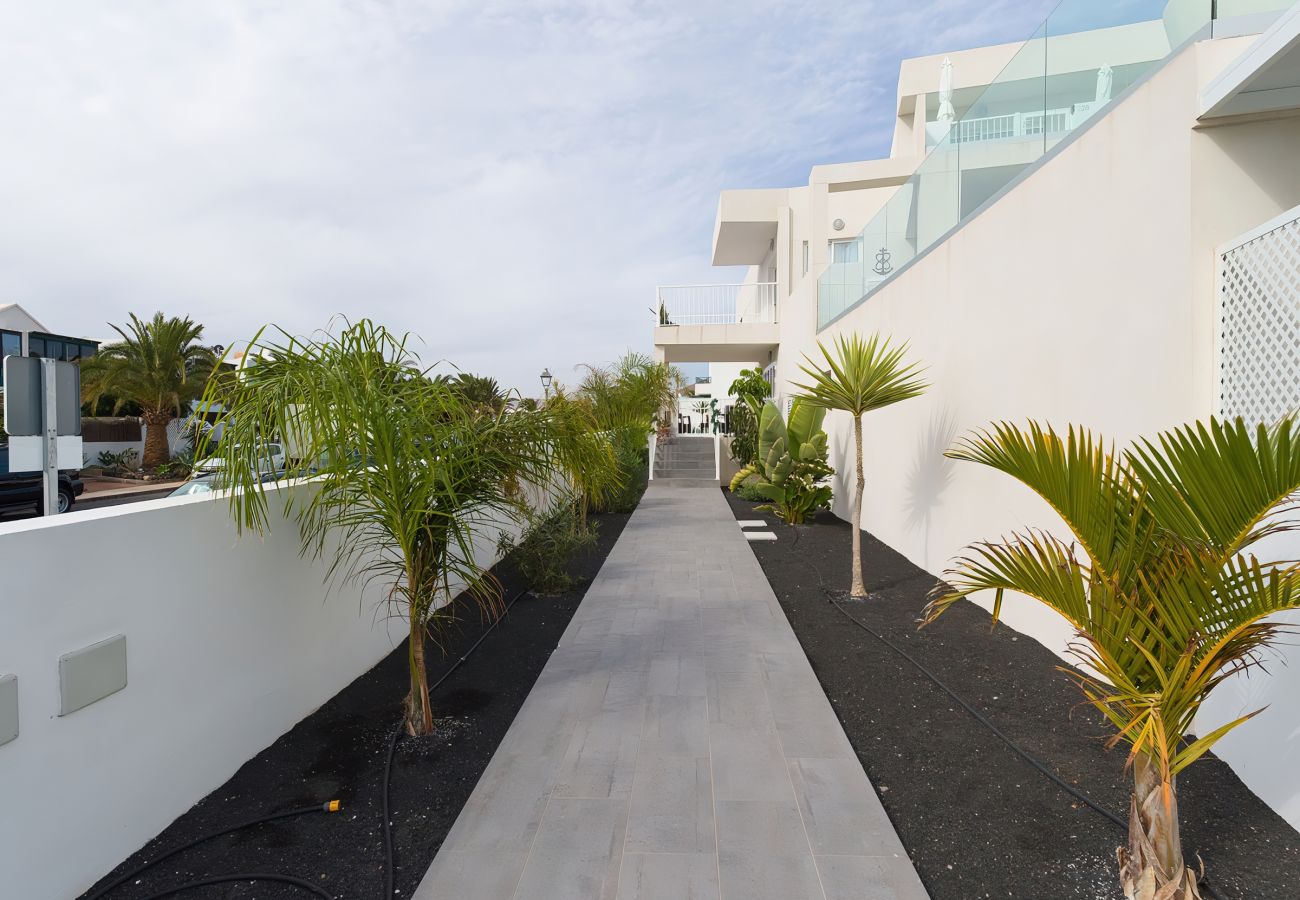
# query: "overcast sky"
[508,180]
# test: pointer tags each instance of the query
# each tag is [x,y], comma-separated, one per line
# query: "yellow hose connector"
[333,806]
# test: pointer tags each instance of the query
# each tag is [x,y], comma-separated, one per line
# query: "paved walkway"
[677,745]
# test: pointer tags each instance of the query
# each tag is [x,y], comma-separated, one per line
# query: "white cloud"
[509,180]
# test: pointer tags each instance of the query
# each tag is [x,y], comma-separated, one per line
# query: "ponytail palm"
[409,474]
[1160,586]
[859,376]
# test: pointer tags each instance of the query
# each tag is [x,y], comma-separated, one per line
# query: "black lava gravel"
[338,753]
[977,820]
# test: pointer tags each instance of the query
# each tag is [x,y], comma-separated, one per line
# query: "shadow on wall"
[930,475]
[1254,148]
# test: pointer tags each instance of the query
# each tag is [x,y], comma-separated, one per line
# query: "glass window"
[844,251]
[87,351]
[805,257]
[53,349]
[11,343]
[35,346]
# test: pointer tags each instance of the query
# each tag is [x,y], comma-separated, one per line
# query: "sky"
[508,181]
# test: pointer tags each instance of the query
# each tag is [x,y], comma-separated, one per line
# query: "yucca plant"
[159,364]
[408,473]
[1160,585]
[859,376]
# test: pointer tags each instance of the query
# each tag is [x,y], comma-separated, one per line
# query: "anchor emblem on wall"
[882,266]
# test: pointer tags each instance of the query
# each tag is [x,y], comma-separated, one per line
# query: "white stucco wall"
[231,641]
[1085,295]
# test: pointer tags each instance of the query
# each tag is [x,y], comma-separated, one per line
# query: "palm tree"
[160,365]
[408,472]
[1165,599]
[860,376]
[480,390]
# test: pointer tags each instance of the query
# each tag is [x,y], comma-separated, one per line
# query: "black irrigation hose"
[331,806]
[980,717]
[255,876]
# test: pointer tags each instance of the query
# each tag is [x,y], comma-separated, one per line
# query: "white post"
[654,441]
[717,454]
[50,432]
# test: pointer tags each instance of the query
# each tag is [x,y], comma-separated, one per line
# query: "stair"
[686,458]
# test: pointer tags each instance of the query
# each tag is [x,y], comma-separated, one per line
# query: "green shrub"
[548,544]
[792,467]
[744,435]
[632,456]
[748,490]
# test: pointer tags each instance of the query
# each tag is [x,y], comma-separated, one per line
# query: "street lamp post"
[546,383]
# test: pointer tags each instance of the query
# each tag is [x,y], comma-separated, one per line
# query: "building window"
[805,257]
[845,252]
[54,346]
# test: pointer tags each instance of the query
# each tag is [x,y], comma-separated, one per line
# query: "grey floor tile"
[772,828]
[481,874]
[669,876]
[748,765]
[675,726]
[870,878]
[747,876]
[672,806]
[840,809]
[577,853]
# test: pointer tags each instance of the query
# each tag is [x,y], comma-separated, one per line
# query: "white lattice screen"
[1259,324]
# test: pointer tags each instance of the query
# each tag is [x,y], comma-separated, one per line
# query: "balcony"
[716,322]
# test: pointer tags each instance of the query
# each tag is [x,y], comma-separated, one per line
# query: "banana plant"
[791,462]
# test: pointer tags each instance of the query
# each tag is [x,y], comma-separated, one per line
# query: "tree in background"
[1165,597]
[480,391]
[407,471]
[160,365]
[860,376]
[624,400]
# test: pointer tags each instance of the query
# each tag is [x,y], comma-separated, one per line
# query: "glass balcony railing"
[1086,53]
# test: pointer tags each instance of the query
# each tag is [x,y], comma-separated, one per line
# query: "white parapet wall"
[230,641]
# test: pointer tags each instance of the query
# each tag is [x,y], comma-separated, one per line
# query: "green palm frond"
[861,375]
[1164,599]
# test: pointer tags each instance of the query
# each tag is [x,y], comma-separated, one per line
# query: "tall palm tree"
[158,364]
[408,472]
[859,376]
[1164,595]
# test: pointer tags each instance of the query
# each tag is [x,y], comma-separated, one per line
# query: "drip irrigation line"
[249,823]
[252,876]
[976,714]
[329,807]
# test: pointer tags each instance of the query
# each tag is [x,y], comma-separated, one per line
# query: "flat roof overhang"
[751,342]
[1264,80]
[745,228]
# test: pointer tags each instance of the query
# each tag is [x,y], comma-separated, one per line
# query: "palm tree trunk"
[419,715]
[1151,867]
[156,451]
[856,587]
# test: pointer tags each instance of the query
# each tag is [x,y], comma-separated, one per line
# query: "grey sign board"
[24,402]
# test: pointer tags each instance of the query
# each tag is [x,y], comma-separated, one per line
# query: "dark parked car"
[22,491]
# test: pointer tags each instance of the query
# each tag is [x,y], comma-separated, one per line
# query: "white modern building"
[1100,225]
[22,335]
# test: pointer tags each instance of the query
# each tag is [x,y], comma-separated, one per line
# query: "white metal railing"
[716,304]
[1011,125]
